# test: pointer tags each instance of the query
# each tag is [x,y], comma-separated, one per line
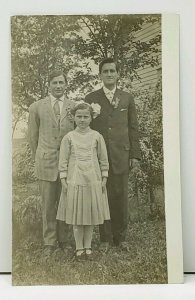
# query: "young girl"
[83,166]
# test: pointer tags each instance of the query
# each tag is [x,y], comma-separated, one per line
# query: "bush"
[147,182]
[23,165]
[27,219]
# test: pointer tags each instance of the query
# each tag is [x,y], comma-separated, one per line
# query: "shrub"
[27,218]
[23,165]
[145,182]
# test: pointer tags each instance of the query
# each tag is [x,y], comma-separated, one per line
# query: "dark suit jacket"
[119,128]
[45,136]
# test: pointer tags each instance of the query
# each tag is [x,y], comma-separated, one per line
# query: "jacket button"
[109,128]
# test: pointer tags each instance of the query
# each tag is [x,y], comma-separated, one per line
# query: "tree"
[115,35]
[39,44]
[75,44]
[71,43]
[18,114]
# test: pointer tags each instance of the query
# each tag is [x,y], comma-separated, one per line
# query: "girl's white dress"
[83,161]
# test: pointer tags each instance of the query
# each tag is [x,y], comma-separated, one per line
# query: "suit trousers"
[53,230]
[115,230]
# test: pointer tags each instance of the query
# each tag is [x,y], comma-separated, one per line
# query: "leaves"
[73,43]
[145,263]
[23,166]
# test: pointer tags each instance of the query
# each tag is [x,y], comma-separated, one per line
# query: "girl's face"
[82,118]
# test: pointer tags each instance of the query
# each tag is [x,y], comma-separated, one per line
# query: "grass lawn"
[145,263]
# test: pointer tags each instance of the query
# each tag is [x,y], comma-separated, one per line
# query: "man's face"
[109,74]
[57,86]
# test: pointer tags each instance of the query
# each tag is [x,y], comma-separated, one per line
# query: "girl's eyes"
[85,117]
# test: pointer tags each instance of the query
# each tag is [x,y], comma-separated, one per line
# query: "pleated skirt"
[83,205]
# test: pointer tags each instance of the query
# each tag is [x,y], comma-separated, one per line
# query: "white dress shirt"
[60,101]
[109,93]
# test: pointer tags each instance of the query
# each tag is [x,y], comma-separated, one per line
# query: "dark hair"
[56,73]
[108,60]
[82,106]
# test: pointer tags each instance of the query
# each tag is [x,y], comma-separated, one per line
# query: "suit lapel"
[104,100]
[118,97]
[49,109]
[65,108]
[117,93]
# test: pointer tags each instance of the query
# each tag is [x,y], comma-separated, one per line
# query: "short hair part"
[82,106]
[56,73]
[108,60]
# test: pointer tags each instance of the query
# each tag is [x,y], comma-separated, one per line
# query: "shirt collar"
[107,91]
[53,99]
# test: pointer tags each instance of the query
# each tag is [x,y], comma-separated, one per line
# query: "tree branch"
[94,36]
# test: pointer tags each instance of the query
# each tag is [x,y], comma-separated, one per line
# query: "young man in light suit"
[49,121]
[117,123]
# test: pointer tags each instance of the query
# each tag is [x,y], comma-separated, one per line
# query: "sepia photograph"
[88,151]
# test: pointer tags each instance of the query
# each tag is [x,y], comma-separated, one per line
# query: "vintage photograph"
[88,171]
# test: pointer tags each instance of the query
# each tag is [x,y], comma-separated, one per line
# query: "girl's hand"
[64,184]
[104,180]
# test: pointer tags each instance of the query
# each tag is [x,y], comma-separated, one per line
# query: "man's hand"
[64,184]
[134,163]
[104,180]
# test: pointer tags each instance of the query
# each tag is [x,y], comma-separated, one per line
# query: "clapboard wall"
[149,75]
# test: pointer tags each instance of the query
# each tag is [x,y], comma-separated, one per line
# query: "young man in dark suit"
[117,123]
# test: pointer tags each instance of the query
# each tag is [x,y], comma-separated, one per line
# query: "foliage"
[145,263]
[28,212]
[144,181]
[18,114]
[149,109]
[23,165]
[113,35]
[74,44]
[26,216]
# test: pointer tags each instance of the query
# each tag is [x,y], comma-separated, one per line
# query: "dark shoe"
[104,247]
[116,241]
[63,247]
[124,246]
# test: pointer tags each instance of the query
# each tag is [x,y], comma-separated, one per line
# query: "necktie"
[109,95]
[56,109]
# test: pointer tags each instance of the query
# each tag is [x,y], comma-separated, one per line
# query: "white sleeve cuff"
[63,174]
[104,173]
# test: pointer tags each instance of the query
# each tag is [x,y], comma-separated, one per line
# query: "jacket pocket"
[123,109]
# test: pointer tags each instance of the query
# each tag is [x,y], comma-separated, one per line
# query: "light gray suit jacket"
[45,136]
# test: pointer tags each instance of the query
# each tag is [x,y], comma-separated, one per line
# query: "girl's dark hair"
[82,106]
